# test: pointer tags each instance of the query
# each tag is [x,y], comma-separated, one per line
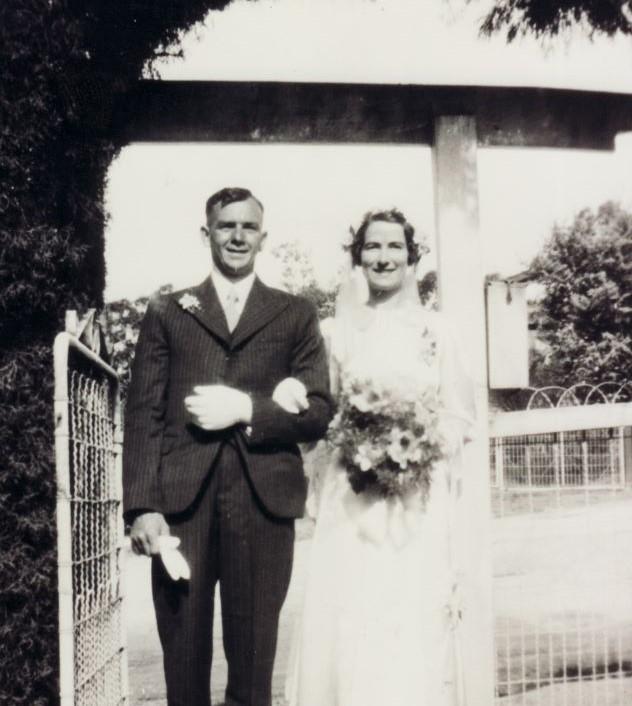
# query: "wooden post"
[461,299]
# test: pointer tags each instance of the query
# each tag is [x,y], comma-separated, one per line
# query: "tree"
[585,316]
[544,18]
[123,319]
[64,64]
[298,277]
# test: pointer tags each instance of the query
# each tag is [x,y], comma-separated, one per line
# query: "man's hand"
[214,407]
[146,532]
[291,394]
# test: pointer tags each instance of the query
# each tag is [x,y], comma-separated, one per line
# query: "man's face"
[236,236]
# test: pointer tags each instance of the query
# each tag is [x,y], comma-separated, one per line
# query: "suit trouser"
[226,536]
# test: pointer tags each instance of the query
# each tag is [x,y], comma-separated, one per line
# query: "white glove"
[173,561]
[214,407]
[291,394]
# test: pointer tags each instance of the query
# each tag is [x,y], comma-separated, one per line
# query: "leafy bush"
[64,64]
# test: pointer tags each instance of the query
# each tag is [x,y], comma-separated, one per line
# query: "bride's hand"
[291,395]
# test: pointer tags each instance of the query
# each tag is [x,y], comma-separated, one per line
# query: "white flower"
[403,447]
[189,302]
[360,401]
[366,397]
[119,347]
[363,457]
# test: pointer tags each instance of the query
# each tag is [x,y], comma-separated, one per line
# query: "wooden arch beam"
[169,111]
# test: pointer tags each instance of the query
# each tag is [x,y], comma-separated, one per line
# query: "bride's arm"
[318,456]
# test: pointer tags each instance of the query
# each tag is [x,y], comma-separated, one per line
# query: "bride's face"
[384,256]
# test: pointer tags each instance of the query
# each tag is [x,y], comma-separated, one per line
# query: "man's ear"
[204,234]
[264,235]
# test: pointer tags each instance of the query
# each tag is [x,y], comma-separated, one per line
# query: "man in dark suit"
[211,456]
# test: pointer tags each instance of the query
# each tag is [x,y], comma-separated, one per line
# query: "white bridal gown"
[378,622]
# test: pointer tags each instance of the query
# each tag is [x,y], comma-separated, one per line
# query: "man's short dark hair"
[230,194]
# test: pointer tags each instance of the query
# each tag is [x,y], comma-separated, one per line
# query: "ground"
[562,604]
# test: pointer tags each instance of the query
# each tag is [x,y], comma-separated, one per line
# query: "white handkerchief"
[173,561]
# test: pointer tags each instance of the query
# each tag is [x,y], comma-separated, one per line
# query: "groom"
[211,456]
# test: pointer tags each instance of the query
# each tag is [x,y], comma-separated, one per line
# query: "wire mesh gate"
[88,435]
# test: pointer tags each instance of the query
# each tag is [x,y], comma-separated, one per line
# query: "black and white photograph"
[316,353]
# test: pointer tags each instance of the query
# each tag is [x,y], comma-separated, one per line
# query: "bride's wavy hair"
[392,215]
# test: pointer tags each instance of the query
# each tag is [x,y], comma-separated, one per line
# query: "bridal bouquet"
[388,435]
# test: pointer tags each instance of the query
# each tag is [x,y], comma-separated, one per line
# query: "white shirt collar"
[223,285]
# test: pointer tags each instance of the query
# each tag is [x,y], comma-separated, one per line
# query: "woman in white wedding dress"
[379,621]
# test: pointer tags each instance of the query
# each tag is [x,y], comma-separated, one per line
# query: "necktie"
[232,309]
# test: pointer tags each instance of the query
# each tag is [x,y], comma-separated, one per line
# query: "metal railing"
[588,459]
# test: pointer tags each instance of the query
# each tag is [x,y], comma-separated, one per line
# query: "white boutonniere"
[189,302]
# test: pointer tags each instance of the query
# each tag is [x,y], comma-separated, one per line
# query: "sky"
[313,193]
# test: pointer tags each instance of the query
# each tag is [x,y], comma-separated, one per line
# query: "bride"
[379,624]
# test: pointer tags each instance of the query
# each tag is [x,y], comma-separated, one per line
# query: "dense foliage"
[63,66]
[544,18]
[585,317]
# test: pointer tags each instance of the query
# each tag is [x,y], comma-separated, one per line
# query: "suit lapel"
[210,312]
[263,305]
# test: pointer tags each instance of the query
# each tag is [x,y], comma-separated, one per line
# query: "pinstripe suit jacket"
[166,458]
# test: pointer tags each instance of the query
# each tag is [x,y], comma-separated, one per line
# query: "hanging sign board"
[507,335]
